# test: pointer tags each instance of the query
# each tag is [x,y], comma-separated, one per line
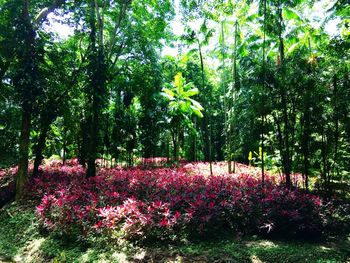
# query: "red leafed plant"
[162,201]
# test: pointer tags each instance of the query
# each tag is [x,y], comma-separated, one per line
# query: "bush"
[163,202]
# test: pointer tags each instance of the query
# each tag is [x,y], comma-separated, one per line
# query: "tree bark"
[206,119]
[82,142]
[284,104]
[226,119]
[336,120]
[22,175]
[97,83]
[263,101]
[39,148]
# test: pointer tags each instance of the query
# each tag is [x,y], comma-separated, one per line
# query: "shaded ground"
[22,241]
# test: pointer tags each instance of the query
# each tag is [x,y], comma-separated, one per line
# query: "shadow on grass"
[253,249]
[17,228]
[296,251]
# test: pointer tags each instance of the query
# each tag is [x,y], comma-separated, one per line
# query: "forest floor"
[22,240]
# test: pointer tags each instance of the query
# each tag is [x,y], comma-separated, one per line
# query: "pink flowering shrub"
[161,202]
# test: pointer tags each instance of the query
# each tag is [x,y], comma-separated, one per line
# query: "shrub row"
[163,202]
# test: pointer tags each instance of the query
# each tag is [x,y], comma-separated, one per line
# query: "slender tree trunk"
[335,169]
[83,141]
[193,148]
[287,160]
[175,145]
[286,131]
[307,126]
[205,136]
[40,147]
[167,149]
[305,147]
[324,158]
[235,90]
[210,146]
[193,152]
[336,120]
[263,101]
[64,145]
[262,148]
[207,114]
[226,119]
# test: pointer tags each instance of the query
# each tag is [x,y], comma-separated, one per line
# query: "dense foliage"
[268,84]
[173,203]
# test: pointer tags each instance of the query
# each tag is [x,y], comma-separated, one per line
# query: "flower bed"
[163,202]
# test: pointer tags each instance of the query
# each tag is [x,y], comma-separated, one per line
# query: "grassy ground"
[22,241]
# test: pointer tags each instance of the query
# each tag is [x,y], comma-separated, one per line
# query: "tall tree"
[25,80]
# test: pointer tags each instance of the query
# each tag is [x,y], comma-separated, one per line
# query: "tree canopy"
[261,82]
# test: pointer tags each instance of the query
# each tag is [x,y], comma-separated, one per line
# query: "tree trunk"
[64,145]
[286,132]
[97,83]
[307,126]
[25,83]
[210,146]
[305,148]
[39,148]
[324,159]
[167,149]
[226,119]
[306,134]
[22,175]
[262,148]
[263,101]
[206,119]
[92,154]
[83,141]
[336,120]
[235,90]
[175,145]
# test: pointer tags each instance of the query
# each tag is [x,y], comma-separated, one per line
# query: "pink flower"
[164,222]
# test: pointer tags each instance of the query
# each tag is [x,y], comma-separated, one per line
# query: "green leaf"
[184,107]
[196,104]
[291,14]
[196,111]
[184,60]
[292,48]
[178,80]
[168,86]
[169,92]
[165,95]
[191,92]
[188,85]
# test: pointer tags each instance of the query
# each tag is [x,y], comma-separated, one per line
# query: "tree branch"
[41,17]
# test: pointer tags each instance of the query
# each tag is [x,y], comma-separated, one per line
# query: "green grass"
[22,241]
